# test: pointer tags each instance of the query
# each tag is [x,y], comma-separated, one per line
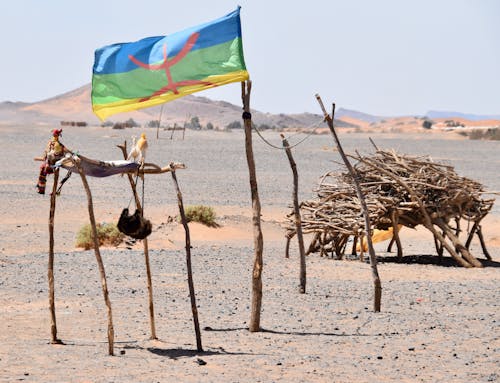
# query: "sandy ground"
[439,323]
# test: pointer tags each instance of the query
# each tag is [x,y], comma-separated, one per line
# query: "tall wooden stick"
[246,88]
[50,272]
[298,220]
[146,248]
[395,233]
[373,258]
[188,261]
[104,284]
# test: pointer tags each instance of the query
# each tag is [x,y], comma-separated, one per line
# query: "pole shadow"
[429,259]
[177,353]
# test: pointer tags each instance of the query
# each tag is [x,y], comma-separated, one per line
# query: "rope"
[142,210]
[132,196]
[291,146]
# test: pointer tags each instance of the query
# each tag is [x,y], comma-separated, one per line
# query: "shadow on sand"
[300,333]
[428,259]
[177,353]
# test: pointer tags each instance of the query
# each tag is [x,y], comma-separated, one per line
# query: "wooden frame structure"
[147,168]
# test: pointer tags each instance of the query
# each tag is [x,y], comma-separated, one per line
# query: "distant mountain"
[356,115]
[76,106]
[467,116]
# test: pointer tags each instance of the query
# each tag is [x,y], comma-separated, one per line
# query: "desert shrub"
[234,125]
[194,123]
[488,134]
[494,134]
[202,214]
[130,123]
[427,124]
[107,233]
[153,124]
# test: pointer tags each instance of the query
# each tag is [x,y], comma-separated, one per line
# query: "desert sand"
[439,323]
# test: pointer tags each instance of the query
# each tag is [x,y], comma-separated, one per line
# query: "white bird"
[138,151]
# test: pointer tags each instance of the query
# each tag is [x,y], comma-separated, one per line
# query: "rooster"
[138,151]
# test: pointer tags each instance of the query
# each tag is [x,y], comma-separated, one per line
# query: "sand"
[438,323]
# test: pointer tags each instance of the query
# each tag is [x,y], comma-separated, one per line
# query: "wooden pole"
[104,284]
[150,290]
[50,272]
[298,220]
[439,248]
[459,248]
[188,262]
[476,229]
[395,233]
[258,241]
[483,244]
[146,249]
[287,246]
[377,285]
[471,234]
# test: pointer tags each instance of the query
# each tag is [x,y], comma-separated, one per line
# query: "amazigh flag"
[148,72]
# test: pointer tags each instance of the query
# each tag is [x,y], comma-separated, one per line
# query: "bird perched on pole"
[138,151]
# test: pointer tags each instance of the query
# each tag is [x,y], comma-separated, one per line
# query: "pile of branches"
[400,190]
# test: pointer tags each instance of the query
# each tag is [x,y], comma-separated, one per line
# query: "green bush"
[107,233]
[202,214]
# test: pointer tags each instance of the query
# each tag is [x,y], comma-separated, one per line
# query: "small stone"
[201,362]
[411,349]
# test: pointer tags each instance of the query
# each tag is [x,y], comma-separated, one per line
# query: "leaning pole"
[377,285]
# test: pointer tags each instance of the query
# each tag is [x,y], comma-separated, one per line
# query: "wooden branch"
[102,272]
[395,233]
[146,250]
[151,168]
[192,295]
[355,177]
[298,223]
[483,244]
[456,242]
[50,272]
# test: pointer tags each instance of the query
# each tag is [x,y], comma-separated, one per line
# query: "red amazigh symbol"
[166,64]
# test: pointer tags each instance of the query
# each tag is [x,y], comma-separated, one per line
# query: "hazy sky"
[384,57]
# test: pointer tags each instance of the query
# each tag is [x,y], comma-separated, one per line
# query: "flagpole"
[254,326]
